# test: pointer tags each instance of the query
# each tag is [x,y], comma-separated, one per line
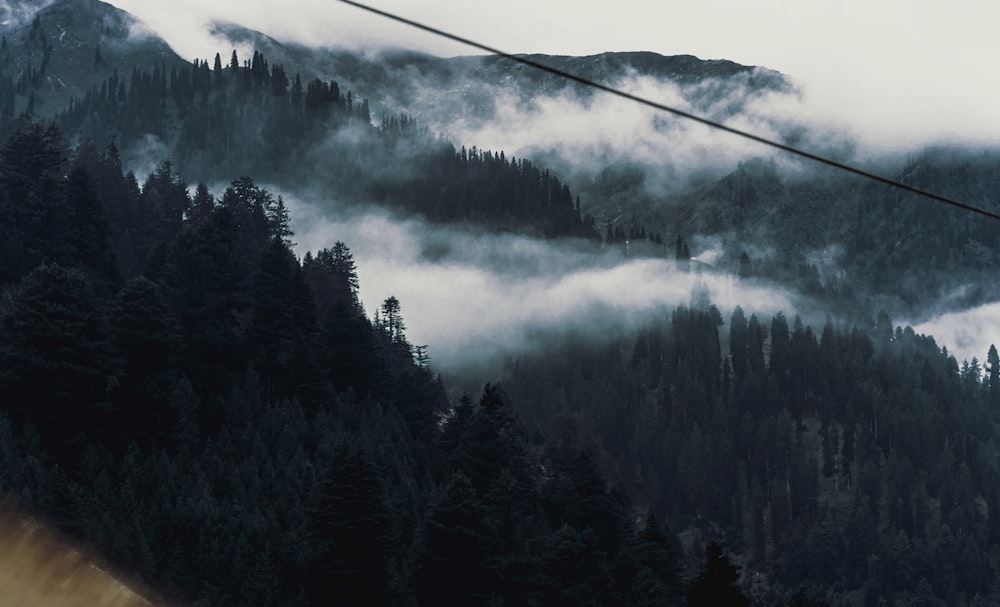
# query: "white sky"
[910,71]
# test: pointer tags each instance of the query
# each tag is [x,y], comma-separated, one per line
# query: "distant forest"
[254,119]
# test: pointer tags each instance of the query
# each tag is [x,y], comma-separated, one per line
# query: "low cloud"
[892,76]
[580,132]
[967,333]
[474,298]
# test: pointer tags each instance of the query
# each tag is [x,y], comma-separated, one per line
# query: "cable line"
[665,108]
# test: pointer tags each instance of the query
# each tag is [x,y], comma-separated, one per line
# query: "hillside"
[218,412]
[67,48]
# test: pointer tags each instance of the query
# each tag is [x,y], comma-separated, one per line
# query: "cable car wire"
[681,113]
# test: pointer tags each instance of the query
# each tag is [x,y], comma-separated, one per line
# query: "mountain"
[14,12]
[125,81]
[66,48]
[219,413]
[418,83]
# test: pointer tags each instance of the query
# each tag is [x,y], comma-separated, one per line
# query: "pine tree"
[88,240]
[201,205]
[658,579]
[217,70]
[455,541]
[282,335]
[147,339]
[32,214]
[717,584]
[738,343]
[993,377]
[55,355]
[278,220]
[350,536]
[392,323]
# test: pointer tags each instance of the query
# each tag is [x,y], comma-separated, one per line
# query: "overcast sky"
[899,69]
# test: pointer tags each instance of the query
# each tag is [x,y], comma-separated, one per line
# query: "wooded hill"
[227,421]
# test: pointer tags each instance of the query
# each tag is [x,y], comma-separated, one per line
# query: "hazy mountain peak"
[69,46]
[683,69]
[16,12]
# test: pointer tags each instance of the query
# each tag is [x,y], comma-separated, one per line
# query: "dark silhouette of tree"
[350,533]
[658,578]
[201,205]
[390,323]
[993,374]
[283,333]
[147,340]
[87,239]
[580,498]
[201,279]
[738,343]
[55,356]
[455,541]
[717,583]
[33,219]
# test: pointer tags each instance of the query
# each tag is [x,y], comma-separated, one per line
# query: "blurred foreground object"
[36,568]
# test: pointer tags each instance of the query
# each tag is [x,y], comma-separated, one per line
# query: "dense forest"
[225,420]
[256,118]
[860,460]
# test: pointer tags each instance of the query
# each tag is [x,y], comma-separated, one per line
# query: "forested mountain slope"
[141,413]
[859,461]
[225,419]
[66,48]
[290,117]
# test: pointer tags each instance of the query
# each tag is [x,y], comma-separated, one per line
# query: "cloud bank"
[476,297]
[893,73]
[966,333]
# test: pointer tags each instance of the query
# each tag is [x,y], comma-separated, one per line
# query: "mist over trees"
[253,117]
[227,421]
[187,395]
[856,461]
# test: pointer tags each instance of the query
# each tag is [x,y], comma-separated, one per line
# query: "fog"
[886,73]
[16,12]
[579,132]
[474,298]
[966,333]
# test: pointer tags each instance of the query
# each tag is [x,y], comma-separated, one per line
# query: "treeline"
[858,461]
[850,242]
[257,118]
[226,422]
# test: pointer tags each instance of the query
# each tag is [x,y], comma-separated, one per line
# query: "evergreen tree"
[993,374]
[55,356]
[350,534]
[717,583]
[282,334]
[147,339]
[738,343]
[455,541]
[87,239]
[32,215]
[658,578]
